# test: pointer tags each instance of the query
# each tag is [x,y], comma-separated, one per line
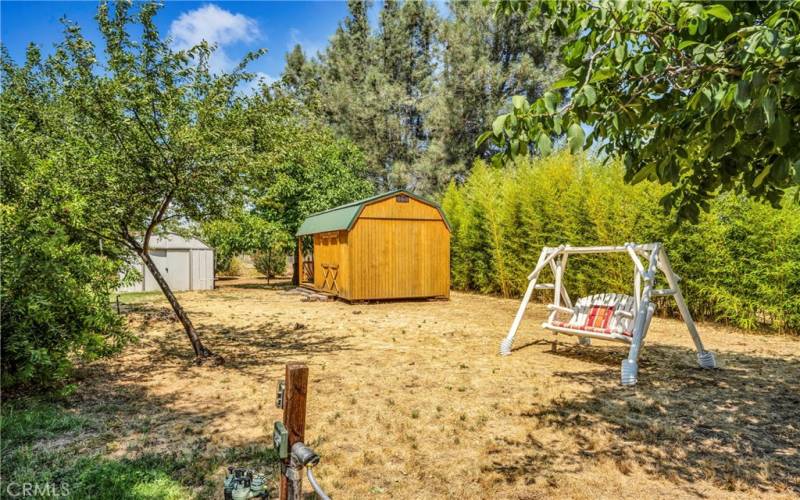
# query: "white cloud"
[215,26]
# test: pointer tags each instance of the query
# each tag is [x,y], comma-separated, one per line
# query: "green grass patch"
[148,476]
[140,297]
[72,472]
[92,476]
[35,421]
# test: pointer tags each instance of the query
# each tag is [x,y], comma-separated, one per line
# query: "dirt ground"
[412,400]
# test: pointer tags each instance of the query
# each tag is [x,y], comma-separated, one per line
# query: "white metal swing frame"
[655,258]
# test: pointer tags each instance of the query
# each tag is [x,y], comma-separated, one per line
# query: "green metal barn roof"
[343,217]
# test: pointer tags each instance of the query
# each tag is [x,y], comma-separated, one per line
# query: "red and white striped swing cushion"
[595,314]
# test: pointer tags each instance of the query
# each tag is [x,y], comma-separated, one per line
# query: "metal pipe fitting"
[313,482]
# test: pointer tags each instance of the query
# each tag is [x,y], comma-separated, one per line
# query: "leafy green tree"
[407,50]
[413,93]
[245,233]
[300,78]
[56,283]
[701,96]
[225,237]
[343,91]
[147,137]
[300,166]
[271,261]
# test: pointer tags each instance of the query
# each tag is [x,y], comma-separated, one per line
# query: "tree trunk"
[298,263]
[200,351]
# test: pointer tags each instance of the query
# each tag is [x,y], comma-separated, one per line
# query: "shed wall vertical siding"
[391,209]
[196,271]
[399,250]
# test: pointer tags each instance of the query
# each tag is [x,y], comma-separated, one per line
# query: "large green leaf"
[742,97]
[780,130]
[639,65]
[763,175]
[482,138]
[720,11]
[550,100]
[723,142]
[544,144]
[643,173]
[564,82]
[768,104]
[619,53]
[602,74]
[576,137]
[591,95]
[498,125]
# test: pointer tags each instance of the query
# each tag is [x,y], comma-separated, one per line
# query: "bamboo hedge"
[739,265]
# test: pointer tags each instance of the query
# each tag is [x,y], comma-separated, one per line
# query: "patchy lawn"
[411,400]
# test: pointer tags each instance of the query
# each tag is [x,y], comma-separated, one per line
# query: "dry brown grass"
[411,400]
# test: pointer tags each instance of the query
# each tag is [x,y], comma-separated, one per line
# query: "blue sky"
[237,26]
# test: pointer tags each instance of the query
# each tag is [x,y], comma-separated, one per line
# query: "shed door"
[202,270]
[177,270]
[159,258]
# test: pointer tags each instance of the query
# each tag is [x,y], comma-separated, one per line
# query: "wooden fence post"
[294,416]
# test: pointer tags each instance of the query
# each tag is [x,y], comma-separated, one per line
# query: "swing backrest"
[600,313]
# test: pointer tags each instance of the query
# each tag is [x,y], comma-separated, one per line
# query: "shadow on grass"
[249,348]
[257,283]
[116,438]
[736,426]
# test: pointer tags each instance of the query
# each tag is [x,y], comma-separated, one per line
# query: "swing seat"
[607,316]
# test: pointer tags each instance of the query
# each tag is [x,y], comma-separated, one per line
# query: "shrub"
[270,262]
[740,264]
[56,289]
[230,266]
[245,233]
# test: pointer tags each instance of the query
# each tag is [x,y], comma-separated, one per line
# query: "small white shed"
[186,264]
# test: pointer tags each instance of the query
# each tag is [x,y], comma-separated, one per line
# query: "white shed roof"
[174,241]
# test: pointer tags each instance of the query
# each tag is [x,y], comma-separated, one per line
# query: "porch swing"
[610,316]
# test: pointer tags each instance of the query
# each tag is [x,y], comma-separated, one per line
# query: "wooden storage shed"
[186,264]
[392,246]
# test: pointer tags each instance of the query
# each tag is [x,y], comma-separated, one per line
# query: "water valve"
[304,455]
[244,484]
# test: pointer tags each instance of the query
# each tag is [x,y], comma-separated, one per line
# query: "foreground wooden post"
[294,417]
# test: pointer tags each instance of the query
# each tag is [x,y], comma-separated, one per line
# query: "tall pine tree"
[485,61]
[414,93]
[374,86]
[407,39]
[300,77]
